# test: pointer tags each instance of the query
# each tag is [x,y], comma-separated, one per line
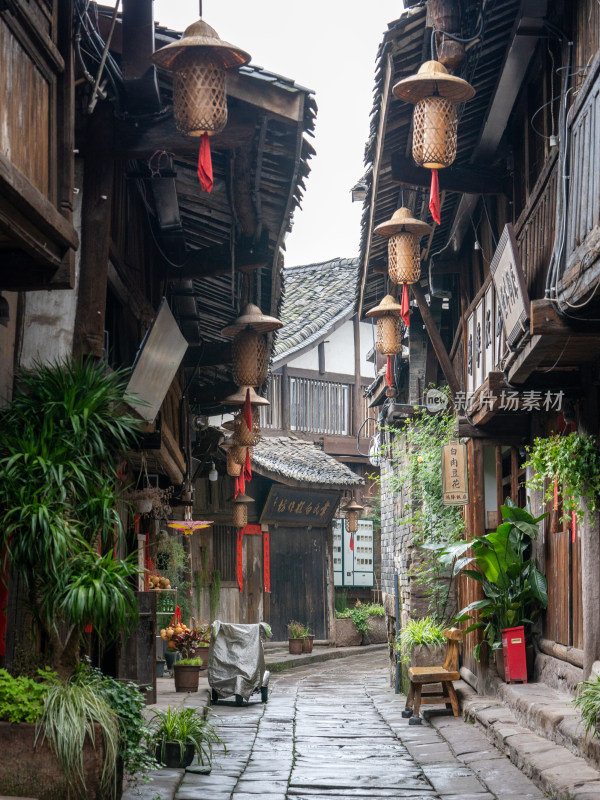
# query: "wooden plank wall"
[586,37]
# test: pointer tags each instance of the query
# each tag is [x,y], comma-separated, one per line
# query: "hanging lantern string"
[200,8]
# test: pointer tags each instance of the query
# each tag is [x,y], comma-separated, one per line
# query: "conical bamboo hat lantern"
[352,510]
[240,510]
[243,434]
[404,254]
[389,326]
[435,94]
[239,398]
[252,317]
[199,61]
[250,361]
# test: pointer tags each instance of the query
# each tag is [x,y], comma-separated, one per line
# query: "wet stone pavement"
[335,730]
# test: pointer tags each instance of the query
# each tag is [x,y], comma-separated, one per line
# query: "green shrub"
[22,698]
[187,727]
[190,662]
[296,630]
[361,613]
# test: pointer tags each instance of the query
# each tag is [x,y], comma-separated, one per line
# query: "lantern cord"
[205,170]
[434,197]
[405,306]
[454,37]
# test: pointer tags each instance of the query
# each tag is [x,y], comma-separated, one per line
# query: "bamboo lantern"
[389,334]
[199,61]
[404,252]
[234,469]
[435,94]
[352,511]
[242,433]
[240,510]
[249,348]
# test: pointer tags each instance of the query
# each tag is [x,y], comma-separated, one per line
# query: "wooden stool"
[420,676]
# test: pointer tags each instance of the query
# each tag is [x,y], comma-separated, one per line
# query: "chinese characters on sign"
[510,286]
[299,507]
[455,485]
[508,400]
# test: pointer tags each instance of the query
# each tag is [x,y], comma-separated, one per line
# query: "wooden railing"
[320,407]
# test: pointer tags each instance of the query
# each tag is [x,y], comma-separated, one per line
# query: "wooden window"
[224,551]
[320,406]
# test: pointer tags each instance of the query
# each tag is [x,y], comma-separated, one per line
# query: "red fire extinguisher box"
[513,649]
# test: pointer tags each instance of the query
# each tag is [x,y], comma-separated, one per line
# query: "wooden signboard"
[511,290]
[455,483]
[299,506]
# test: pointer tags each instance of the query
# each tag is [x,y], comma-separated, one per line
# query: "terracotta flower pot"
[307,643]
[295,646]
[186,677]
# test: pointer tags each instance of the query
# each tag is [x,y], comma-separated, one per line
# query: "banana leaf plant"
[515,591]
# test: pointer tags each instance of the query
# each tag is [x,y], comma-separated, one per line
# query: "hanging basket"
[244,436]
[435,126]
[238,453]
[389,335]
[249,358]
[240,515]
[199,95]
[233,468]
[404,258]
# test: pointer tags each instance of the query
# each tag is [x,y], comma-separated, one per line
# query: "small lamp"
[213,475]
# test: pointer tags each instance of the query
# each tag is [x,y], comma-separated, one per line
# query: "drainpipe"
[397,612]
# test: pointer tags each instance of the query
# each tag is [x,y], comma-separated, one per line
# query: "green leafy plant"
[574,461]
[190,662]
[173,563]
[184,726]
[22,698]
[61,439]
[587,702]
[360,614]
[70,712]
[296,630]
[129,704]
[419,632]
[515,591]
[414,453]
[187,642]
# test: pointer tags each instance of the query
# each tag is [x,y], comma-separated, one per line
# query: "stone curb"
[553,768]
[278,664]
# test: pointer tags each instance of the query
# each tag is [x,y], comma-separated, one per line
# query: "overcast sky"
[328,46]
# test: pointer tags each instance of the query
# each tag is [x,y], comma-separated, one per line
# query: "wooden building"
[102,215]
[522,201]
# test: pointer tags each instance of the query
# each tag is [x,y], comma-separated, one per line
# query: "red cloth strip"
[247,467]
[434,196]
[388,372]
[205,170]
[405,306]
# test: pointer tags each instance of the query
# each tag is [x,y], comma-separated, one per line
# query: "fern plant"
[587,702]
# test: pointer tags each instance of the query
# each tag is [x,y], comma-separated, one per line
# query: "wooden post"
[356,389]
[436,339]
[285,399]
[514,474]
[95,238]
[499,487]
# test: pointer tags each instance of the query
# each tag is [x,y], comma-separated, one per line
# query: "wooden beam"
[139,73]
[88,336]
[499,486]
[480,180]
[436,339]
[208,354]
[209,261]
[545,320]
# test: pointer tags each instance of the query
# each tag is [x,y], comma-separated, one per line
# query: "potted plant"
[309,638]
[587,702]
[203,648]
[346,632]
[422,643]
[177,734]
[187,669]
[515,591]
[296,634]
[376,632]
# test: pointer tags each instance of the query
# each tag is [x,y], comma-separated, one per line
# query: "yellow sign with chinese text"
[455,478]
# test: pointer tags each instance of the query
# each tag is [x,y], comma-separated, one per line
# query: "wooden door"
[563,621]
[298,579]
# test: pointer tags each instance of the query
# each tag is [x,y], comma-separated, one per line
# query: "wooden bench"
[421,676]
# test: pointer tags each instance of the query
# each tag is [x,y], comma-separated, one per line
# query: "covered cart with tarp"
[236,664]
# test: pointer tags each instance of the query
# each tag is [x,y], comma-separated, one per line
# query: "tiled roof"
[301,461]
[316,298]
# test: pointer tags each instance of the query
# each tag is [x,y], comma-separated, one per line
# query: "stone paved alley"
[335,730]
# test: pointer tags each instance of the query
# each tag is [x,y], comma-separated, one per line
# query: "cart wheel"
[264,693]
[239,700]
[214,697]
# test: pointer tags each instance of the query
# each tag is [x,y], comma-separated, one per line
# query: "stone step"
[539,730]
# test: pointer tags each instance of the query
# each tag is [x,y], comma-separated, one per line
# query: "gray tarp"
[236,662]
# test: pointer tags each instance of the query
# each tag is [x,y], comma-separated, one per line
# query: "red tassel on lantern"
[556,494]
[405,306]
[247,471]
[388,372]
[351,541]
[237,487]
[248,412]
[434,196]
[205,170]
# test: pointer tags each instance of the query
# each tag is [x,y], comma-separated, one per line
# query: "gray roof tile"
[302,461]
